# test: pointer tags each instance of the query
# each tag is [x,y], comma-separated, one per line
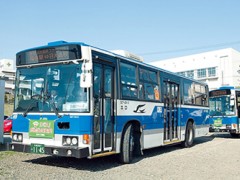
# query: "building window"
[201,73]
[190,74]
[181,73]
[211,72]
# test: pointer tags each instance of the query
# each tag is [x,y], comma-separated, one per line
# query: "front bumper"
[215,129]
[50,150]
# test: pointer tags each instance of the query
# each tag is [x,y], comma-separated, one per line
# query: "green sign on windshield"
[42,128]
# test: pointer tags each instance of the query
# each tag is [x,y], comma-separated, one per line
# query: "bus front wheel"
[127,145]
[189,135]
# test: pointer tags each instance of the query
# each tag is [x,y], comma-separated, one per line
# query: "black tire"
[234,135]
[189,135]
[127,145]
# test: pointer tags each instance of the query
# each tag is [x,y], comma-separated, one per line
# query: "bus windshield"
[220,106]
[51,88]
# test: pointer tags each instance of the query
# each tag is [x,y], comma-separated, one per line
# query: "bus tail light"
[86,139]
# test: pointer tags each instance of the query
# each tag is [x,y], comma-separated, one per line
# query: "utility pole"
[2,93]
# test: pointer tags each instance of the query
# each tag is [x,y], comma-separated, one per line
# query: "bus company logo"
[35,124]
[139,109]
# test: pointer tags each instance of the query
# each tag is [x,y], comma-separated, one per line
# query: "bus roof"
[54,43]
[227,87]
[61,42]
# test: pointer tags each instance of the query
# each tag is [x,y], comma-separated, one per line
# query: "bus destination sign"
[221,92]
[50,54]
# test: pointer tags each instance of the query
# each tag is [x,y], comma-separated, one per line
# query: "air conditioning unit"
[128,55]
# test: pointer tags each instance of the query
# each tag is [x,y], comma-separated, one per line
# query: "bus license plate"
[37,148]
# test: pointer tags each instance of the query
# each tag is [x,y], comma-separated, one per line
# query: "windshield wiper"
[55,109]
[213,113]
[34,99]
[46,97]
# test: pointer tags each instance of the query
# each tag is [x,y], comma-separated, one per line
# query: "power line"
[190,49]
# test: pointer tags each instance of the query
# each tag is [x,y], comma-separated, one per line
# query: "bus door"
[238,108]
[171,102]
[103,93]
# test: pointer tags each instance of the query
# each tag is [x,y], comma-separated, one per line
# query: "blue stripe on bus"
[83,124]
[78,124]
[156,120]
[225,119]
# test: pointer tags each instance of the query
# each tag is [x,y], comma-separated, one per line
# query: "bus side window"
[149,86]
[128,80]
[188,93]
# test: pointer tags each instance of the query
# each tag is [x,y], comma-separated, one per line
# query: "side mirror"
[86,80]
[86,75]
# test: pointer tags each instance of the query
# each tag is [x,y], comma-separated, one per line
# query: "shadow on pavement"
[226,135]
[175,147]
[92,165]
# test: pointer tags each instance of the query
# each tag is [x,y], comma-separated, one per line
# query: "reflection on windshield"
[220,106]
[51,89]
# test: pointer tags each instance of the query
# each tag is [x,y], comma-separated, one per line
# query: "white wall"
[236,68]
[7,65]
[7,70]
[226,62]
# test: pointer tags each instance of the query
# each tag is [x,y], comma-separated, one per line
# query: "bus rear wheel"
[189,135]
[127,145]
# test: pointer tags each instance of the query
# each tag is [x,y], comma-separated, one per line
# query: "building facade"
[7,72]
[216,68]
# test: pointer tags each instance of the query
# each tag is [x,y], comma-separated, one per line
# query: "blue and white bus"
[225,110]
[102,103]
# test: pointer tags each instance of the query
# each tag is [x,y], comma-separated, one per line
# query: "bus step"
[103,154]
[171,142]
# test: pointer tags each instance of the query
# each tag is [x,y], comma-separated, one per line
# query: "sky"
[153,29]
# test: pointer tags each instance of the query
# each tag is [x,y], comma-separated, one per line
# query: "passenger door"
[238,109]
[171,103]
[103,93]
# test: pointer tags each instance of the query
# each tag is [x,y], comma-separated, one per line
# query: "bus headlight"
[70,141]
[74,141]
[14,137]
[18,137]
